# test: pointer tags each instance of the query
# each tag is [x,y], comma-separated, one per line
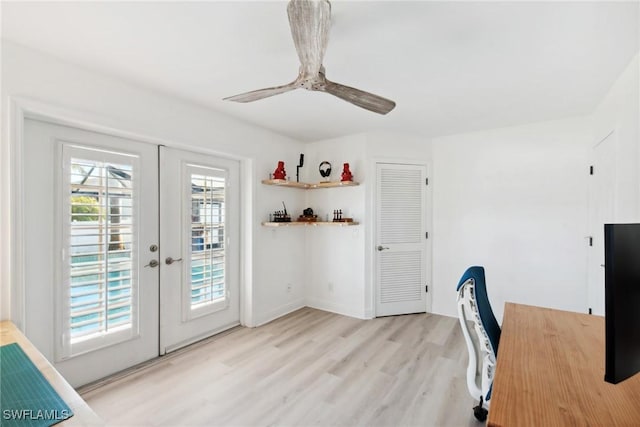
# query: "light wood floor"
[309,368]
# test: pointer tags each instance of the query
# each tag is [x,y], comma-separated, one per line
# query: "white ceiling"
[450,66]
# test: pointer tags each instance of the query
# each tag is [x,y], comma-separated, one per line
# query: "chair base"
[480,412]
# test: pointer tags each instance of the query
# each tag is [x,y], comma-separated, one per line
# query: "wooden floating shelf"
[332,184]
[285,183]
[307,186]
[308,224]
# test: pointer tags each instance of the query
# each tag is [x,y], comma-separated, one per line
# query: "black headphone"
[327,172]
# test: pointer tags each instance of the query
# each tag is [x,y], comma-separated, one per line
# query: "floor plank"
[309,368]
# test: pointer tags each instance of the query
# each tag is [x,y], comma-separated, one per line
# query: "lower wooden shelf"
[308,224]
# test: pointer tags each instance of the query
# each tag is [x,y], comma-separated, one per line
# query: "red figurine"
[279,173]
[346,173]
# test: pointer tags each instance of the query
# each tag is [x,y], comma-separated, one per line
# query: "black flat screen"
[622,301]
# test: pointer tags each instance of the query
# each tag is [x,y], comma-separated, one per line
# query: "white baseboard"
[440,313]
[336,308]
[261,319]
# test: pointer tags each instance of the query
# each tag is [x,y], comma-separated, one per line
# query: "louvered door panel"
[400,234]
[402,280]
[401,206]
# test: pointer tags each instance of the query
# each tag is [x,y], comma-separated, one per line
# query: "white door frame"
[12,226]
[595,297]
[370,232]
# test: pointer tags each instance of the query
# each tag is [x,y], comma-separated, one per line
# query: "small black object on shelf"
[281,216]
[307,216]
[300,164]
[325,169]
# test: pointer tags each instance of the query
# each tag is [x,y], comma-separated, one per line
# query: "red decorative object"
[346,173]
[279,173]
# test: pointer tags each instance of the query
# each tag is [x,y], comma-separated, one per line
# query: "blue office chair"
[474,307]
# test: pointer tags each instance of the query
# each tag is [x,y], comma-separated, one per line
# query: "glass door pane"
[207,278]
[199,245]
[99,274]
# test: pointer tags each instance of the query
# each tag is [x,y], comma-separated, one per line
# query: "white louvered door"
[401,249]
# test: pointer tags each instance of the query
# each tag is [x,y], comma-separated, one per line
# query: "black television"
[622,301]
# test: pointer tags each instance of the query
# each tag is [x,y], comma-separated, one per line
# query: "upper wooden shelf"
[307,186]
[285,183]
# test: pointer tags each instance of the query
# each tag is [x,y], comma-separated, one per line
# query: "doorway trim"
[370,231]
[12,263]
[594,301]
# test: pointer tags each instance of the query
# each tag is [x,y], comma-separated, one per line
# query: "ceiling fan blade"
[358,97]
[262,93]
[310,21]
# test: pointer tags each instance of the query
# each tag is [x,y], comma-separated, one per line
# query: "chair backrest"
[473,305]
[489,322]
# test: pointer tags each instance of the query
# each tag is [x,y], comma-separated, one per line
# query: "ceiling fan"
[310,21]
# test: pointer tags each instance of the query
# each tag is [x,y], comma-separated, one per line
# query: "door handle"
[382,248]
[170,260]
[153,263]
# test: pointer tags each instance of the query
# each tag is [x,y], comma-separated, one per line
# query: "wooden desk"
[83,415]
[550,372]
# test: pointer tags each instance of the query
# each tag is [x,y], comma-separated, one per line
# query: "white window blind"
[207,231]
[99,275]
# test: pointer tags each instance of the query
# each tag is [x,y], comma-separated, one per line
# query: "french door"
[401,246]
[100,283]
[199,211]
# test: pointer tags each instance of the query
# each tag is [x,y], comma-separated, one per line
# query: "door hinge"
[426,235]
[426,181]
[426,288]
[590,311]
[590,170]
[590,241]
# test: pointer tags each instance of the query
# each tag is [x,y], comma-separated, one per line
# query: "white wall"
[513,200]
[340,260]
[617,118]
[110,102]
[620,111]
[308,260]
[335,255]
